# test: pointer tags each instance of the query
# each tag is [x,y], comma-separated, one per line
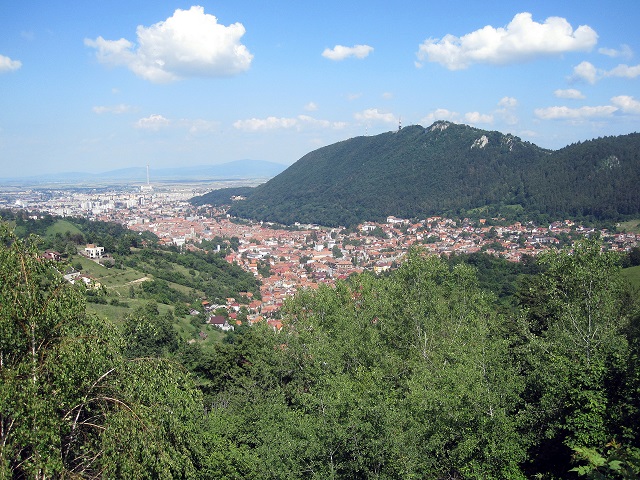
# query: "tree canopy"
[420,373]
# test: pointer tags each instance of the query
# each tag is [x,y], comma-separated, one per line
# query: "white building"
[93,251]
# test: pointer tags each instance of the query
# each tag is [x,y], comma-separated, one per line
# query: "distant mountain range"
[239,169]
[448,169]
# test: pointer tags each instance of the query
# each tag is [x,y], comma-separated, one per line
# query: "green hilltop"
[449,169]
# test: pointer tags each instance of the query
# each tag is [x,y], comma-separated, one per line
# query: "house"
[207,306]
[221,322]
[52,255]
[93,251]
[275,324]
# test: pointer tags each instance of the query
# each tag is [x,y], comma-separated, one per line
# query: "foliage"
[221,196]
[149,334]
[575,352]
[403,376]
[619,463]
[216,277]
[71,405]
[430,371]
[114,237]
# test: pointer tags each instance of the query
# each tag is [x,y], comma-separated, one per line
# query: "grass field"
[61,227]
[631,226]
[632,275]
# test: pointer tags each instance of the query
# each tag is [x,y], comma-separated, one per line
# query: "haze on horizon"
[98,87]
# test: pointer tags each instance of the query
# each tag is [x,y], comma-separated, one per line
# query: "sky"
[93,86]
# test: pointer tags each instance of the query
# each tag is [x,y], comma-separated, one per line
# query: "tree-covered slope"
[449,169]
[221,196]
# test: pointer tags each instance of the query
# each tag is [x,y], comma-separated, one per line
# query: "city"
[305,256]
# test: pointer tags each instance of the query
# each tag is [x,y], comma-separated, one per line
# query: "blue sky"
[100,85]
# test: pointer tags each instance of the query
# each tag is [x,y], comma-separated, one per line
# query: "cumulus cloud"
[627,104]
[625,71]
[566,113]
[440,114]
[340,52]
[374,115]
[284,123]
[507,110]
[589,73]
[115,109]
[585,71]
[571,93]
[508,102]
[8,65]
[475,118]
[153,122]
[522,39]
[314,122]
[189,43]
[311,107]
[269,123]
[624,52]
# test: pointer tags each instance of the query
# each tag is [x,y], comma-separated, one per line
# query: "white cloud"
[507,110]
[340,52]
[477,117]
[353,96]
[566,113]
[314,122]
[387,95]
[522,39]
[115,109]
[374,115]
[284,123]
[588,72]
[625,71]
[269,123]
[569,93]
[508,102]
[311,107]
[153,122]
[528,133]
[8,65]
[627,104]
[585,71]
[625,51]
[189,43]
[440,114]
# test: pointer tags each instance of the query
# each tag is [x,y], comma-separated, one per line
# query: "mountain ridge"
[235,169]
[453,169]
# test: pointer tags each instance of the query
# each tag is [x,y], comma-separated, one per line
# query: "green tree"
[71,405]
[147,333]
[575,358]
[405,376]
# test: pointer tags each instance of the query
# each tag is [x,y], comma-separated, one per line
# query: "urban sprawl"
[307,255]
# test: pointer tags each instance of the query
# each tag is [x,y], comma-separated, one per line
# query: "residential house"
[93,251]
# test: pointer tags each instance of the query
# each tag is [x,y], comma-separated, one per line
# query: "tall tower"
[147,187]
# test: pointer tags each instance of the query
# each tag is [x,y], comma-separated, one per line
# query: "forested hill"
[450,169]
